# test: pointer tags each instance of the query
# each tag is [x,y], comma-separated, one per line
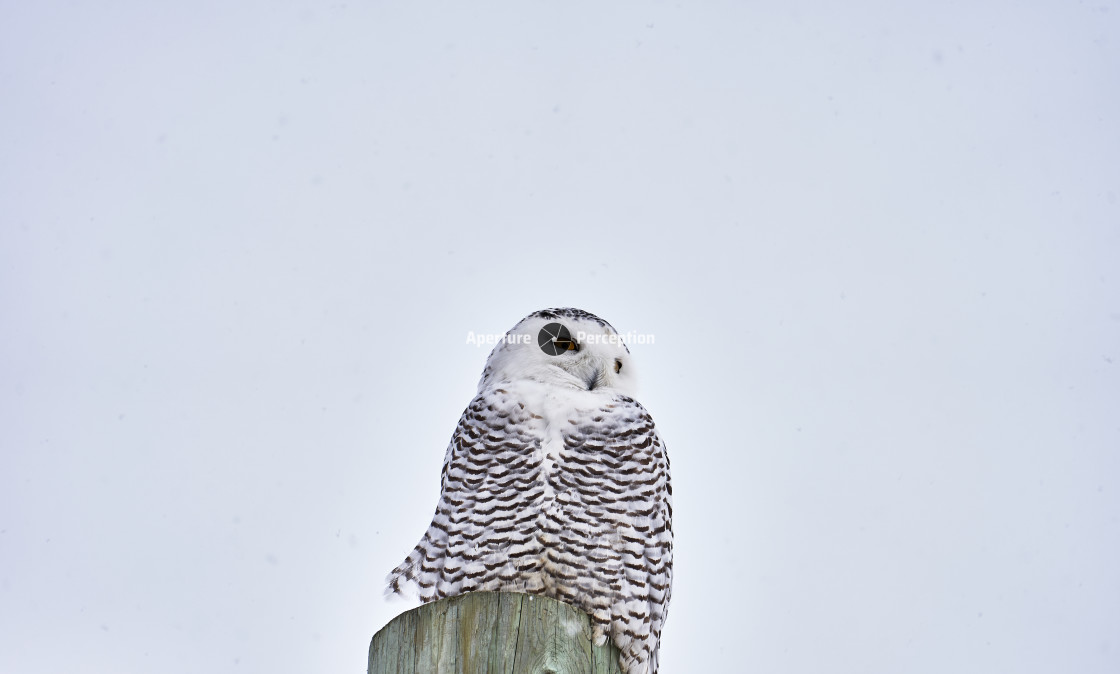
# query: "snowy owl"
[556,483]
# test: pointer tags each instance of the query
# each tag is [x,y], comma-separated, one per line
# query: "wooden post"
[491,633]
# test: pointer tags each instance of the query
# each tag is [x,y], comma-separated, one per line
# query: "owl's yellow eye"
[566,345]
[617,366]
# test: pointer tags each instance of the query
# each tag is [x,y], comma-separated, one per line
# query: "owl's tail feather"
[639,647]
[417,575]
[636,660]
[399,584]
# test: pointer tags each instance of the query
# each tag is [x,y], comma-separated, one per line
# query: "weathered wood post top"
[491,633]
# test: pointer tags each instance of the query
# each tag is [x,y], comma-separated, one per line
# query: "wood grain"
[491,633]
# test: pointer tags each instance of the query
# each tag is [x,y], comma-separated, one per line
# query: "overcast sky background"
[242,245]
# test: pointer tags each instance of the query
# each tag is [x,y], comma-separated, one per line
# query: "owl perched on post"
[556,483]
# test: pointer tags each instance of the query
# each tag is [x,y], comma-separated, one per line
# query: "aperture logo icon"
[554,339]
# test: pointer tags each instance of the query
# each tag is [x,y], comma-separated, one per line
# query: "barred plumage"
[555,482]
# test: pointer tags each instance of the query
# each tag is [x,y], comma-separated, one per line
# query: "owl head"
[569,348]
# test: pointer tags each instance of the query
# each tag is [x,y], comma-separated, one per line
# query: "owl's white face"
[590,356]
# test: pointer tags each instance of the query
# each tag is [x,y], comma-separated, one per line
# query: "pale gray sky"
[241,248]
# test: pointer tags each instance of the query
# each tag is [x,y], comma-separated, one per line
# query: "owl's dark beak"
[593,380]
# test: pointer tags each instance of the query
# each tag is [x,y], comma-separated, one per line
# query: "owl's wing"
[483,535]
[610,526]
